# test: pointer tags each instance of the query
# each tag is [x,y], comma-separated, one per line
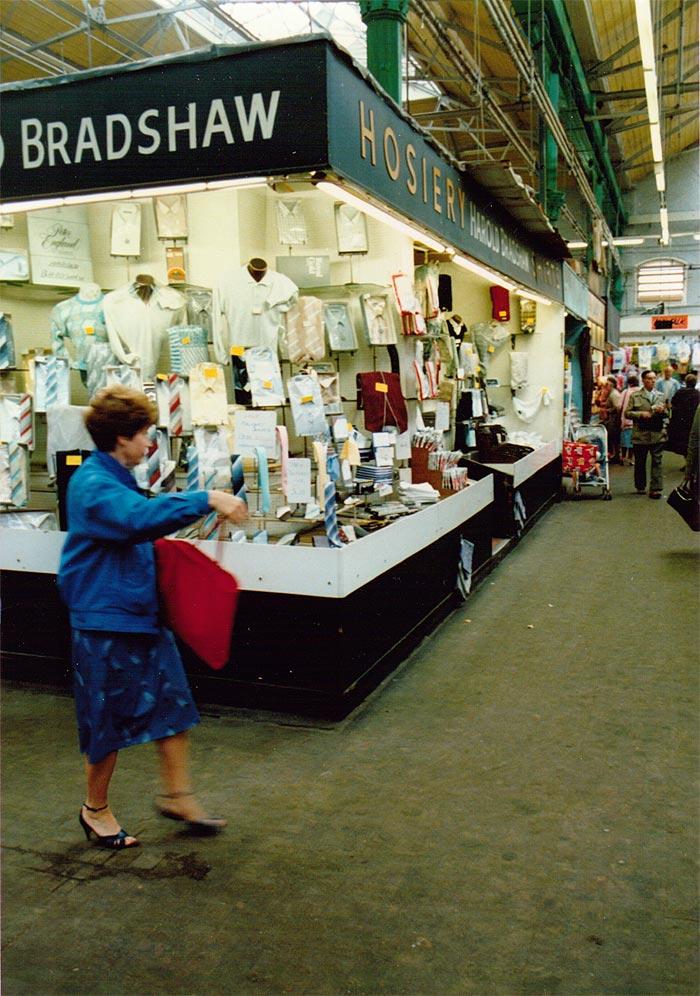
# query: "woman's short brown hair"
[118,411]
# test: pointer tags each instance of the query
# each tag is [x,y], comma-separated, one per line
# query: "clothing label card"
[380,439]
[59,246]
[402,446]
[253,430]
[442,415]
[298,480]
[384,456]
[340,429]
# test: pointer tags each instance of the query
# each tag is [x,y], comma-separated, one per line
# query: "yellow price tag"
[89,330]
[237,350]
[185,340]
[161,376]
[491,349]
[382,388]
[210,372]
[73,460]
[307,399]
[267,384]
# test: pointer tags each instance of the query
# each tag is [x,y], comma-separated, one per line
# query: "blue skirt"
[130,688]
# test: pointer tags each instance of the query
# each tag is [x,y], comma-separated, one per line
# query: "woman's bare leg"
[98,777]
[177,792]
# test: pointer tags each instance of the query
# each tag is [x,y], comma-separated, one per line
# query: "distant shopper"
[613,403]
[692,457]
[646,410]
[683,408]
[130,685]
[668,385]
[625,421]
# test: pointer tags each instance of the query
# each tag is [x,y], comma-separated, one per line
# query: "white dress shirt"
[251,309]
[137,328]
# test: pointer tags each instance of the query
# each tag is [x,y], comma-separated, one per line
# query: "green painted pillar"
[385,20]
[554,198]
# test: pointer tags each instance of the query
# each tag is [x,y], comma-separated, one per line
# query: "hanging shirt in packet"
[208,395]
[252,310]
[83,323]
[305,340]
[378,320]
[341,334]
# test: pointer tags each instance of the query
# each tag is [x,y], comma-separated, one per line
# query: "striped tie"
[283,440]
[153,458]
[238,477]
[4,346]
[26,427]
[263,478]
[192,469]
[18,487]
[208,527]
[330,517]
[51,373]
[174,406]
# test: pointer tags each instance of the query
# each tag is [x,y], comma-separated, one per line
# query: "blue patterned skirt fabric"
[130,688]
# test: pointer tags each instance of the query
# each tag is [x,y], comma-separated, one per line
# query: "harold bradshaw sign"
[208,115]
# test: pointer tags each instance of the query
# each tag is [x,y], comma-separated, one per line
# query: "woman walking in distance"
[130,685]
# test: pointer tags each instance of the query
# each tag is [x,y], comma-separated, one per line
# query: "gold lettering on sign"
[425,180]
[450,191]
[462,198]
[412,182]
[437,190]
[367,134]
[392,168]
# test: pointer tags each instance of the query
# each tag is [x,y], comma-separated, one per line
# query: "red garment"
[500,304]
[379,394]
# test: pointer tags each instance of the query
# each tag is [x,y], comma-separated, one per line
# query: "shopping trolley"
[585,460]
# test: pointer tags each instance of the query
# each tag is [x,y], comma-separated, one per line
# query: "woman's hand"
[230,508]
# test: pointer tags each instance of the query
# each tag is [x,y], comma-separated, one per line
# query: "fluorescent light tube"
[531,296]
[576,245]
[342,194]
[651,88]
[177,188]
[16,207]
[483,271]
[240,183]
[663,217]
[660,177]
[656,150]
[628,240]
[645,28]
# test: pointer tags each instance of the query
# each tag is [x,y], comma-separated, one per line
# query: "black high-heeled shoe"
[115,841]
[205,827]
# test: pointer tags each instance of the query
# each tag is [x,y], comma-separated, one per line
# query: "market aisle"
[515,813]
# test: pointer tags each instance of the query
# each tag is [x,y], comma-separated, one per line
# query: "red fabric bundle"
[199,599]
[500,304]
[381,398]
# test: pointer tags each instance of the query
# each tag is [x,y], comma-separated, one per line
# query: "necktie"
[18,489]
[283,439]
[208,527]
[320,450]
[4,346]
[330,518]
[192,469]
[174,406]
[153,458]
[238,477]
[263,478]
[26,430]
[51,374]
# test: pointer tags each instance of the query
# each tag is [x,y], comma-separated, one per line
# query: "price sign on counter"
[298,480]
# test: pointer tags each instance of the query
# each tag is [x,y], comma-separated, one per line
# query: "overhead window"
[661,280]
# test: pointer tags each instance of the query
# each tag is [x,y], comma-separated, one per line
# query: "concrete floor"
[515,812]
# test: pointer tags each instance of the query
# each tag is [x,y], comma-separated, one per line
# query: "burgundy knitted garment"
[379,395]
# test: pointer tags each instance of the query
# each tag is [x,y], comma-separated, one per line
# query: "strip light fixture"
[483,271]
[645,29]
[341,193]
[16,207]
[531,296]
